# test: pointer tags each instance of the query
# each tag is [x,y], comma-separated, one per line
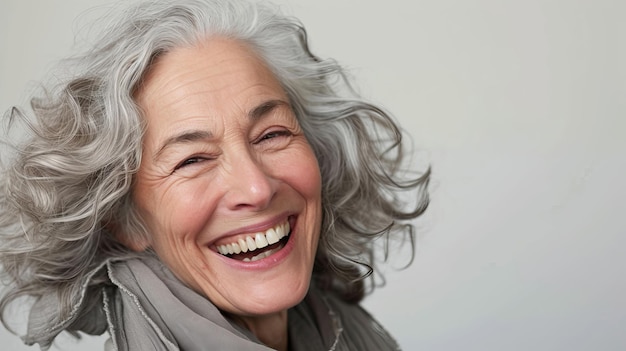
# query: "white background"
[518,106]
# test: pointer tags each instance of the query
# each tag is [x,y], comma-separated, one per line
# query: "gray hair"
[68,187]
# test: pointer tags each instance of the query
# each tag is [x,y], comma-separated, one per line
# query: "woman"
[203,182]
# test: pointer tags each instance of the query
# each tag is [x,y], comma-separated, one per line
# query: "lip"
[258,227]
[251,229]
[267,262]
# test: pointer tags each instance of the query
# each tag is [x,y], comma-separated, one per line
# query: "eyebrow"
[190,136]
[265,108]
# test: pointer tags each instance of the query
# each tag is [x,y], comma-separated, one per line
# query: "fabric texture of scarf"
[148,308]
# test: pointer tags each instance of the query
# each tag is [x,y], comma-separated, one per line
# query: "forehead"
[219,69]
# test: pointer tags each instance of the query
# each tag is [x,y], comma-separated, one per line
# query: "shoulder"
[359,329]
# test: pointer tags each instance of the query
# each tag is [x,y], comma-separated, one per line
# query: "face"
[228,186]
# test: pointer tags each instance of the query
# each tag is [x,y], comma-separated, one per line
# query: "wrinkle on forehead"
[161,78]
[191,93]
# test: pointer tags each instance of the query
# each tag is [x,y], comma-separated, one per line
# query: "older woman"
[203,182]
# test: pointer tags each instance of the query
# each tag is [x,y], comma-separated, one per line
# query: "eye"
[190,161]
[274,134]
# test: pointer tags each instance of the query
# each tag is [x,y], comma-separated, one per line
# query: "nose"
[249,186]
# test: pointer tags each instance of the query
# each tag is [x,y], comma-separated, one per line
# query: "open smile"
[256,246]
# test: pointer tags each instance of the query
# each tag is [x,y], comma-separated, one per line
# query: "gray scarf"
[148,308]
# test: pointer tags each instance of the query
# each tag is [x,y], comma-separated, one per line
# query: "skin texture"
[224,157]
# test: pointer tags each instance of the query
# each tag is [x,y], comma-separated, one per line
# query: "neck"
[271,329]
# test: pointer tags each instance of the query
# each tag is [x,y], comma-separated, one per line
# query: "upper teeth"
[256,241]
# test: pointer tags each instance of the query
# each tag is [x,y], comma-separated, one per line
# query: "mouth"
[255,246]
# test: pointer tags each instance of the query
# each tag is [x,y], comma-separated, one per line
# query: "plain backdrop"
[518,106]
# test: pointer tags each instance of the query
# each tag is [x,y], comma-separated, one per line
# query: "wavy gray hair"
[69,185]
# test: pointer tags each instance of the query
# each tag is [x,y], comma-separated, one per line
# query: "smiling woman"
[203,181]
[250,174]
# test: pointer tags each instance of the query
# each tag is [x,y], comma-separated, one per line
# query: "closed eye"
[190,161]
[274,134]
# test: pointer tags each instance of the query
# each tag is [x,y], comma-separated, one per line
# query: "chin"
[270,296]
[267,285]
[275,301]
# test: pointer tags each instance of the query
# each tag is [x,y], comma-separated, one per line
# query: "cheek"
[190,205]
[175,210]
[301,171]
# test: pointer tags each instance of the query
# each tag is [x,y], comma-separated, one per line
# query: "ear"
[137,242]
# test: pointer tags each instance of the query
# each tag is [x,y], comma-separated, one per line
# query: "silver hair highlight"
[67,190]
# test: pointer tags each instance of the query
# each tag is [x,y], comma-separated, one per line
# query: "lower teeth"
[262,255]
